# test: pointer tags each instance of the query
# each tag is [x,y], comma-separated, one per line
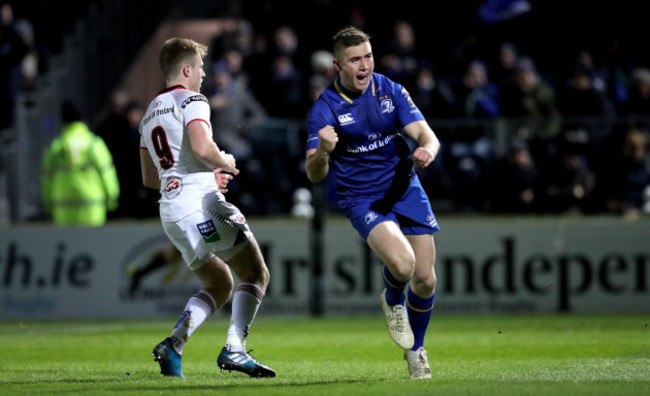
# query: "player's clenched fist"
[327,138]
[422,157]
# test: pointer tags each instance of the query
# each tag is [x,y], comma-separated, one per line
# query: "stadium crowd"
[519,134]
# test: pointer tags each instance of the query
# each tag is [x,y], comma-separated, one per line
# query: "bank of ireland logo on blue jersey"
[370,217]
[208,231]
[346,119]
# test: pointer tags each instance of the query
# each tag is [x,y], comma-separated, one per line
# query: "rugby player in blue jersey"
[356,127]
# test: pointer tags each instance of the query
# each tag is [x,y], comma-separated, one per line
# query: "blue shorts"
[411,211]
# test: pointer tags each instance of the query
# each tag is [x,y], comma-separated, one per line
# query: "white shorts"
[219,229]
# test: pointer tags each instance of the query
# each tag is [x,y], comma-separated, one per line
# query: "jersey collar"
[172,88]
[344,92]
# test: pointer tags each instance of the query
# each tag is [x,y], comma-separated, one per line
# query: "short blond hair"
[178,51]
[348,37]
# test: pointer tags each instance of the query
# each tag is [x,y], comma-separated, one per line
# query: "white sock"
[198,308]
[245,303]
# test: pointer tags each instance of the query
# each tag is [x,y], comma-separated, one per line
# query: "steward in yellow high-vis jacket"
[79,182]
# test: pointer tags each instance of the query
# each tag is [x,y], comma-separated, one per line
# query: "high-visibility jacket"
[79,182]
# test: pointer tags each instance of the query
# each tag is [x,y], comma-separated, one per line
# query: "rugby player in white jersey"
[180,159]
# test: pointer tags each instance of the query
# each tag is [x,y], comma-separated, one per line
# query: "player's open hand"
[422,157]
[222,179]
[327,139]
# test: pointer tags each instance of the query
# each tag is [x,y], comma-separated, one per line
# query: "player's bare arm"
[150,178]
[317,160]
[207,150]
[428,143]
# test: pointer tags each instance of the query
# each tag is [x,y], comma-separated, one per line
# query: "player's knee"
[408,262]
[402,273]
[402,266]
[424,285]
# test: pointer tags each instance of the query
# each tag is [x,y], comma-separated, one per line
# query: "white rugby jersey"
[163,133]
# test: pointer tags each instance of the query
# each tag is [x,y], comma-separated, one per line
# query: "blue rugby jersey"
[371,154]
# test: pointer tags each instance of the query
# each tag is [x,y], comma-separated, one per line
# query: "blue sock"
[394,289]
[419,310]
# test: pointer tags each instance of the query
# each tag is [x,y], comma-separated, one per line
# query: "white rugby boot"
[418,363]
[398,323]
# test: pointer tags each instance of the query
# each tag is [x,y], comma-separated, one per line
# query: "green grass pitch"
[479,355]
